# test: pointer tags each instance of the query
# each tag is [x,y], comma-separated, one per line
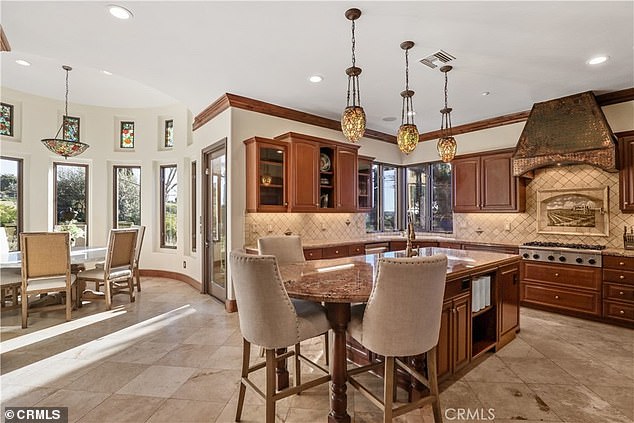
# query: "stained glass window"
[169,133]
[6,119]
[71,128]
[126,136]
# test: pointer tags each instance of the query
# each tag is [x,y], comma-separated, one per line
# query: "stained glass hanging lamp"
[62,146]
[353,117]
[407,136]
[447,145]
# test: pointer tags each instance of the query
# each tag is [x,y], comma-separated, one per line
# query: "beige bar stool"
[401,319]
[268,317]
[287,250]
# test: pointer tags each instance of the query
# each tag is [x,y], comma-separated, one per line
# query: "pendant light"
[447,145]
[62,146]
[353,117]
[407,136]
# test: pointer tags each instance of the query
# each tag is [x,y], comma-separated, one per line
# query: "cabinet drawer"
[356,249]
[570,276]
[586,302]
[621,311]
[614,262]
[334,252]
[618,292]
[398,245]
[620,276]
[312,253]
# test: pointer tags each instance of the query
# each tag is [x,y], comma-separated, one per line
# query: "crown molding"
[232,100]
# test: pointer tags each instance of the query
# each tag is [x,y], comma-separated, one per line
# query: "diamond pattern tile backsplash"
[523,226]
[477,227]
[310,226]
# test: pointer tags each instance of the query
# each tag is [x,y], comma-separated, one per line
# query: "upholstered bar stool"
[401,319]
[269,318]
[288,249]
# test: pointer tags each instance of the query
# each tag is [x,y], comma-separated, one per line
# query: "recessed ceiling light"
[597,60]
[316,78]
[105,72]
[22,62]
[119,12]
[485,93]
[389,119]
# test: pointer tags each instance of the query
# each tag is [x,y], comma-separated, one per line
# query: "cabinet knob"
[622,277]
[621,311]
[621,293]
[285,203]
[556,275]
[625,203]
[621,263]
[556,297]
[317,204]
[336,251]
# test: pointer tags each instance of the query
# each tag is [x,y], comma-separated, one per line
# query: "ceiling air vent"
[440,57]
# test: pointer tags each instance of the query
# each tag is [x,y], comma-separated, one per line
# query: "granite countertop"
[622,252]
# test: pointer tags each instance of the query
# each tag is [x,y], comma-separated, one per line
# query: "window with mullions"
[71,128]
[169,188]
[126,135]
[6,119]
[11,200]
[428,197]
[126,196]
[71,201]
[384,215]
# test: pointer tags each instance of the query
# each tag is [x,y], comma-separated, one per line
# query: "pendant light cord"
[64,120]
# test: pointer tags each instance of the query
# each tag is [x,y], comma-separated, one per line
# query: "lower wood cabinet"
[618,289]
[454,341]
[312,253]
[508,281]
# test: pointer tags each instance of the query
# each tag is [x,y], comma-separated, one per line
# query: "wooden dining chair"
[137,256]
[402,319]
[117,273]
[45,269]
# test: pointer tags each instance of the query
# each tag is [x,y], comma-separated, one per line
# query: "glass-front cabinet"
[267,178]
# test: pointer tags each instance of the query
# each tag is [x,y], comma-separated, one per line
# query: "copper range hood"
[568,130]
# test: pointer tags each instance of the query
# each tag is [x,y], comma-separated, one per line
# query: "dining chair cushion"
[99,273]
[10,276]
[267,315]
[287,249]
[58,283]
[402,316]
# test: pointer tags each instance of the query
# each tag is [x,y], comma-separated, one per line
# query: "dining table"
[340,282]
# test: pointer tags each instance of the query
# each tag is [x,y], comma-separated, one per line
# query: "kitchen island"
[464,335]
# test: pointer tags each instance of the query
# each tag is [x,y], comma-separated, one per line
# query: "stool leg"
[246,354]
[433,384]
[388,389]
[327,347]
[270,385]
[298,369]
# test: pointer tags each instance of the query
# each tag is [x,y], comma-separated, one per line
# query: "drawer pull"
[622,277]
[621,311]
[556,297]
[621,263]
[556,275]
[621,293]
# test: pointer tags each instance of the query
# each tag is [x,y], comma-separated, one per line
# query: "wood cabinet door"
[305,176]
[444,353]
[626,176]
[465,175]
[509,300]
[346,180]
[461,332]
[498,184]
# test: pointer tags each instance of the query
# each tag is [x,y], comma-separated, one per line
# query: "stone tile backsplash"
[492,227]
[502,228]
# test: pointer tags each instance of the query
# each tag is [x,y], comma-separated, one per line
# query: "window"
[71,201]
[71,128]
[428,197]
[6,119]
[385,212]
[11,200]
[193,207]
[127,196]
[169,133]
[169,185]
[126,135]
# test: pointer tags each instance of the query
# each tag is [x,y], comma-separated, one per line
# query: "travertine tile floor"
[174,355]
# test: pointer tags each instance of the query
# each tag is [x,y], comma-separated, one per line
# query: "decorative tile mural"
[126,135]
[490,227]
[6,119]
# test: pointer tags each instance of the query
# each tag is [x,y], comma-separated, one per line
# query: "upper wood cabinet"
[267,175]
[346,167]
[626,175]
[365,184]
[485,183]
[304,172]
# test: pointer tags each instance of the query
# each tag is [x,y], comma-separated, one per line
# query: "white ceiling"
[192,52]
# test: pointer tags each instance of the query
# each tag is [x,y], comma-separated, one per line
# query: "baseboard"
[231,306]
[172,275]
